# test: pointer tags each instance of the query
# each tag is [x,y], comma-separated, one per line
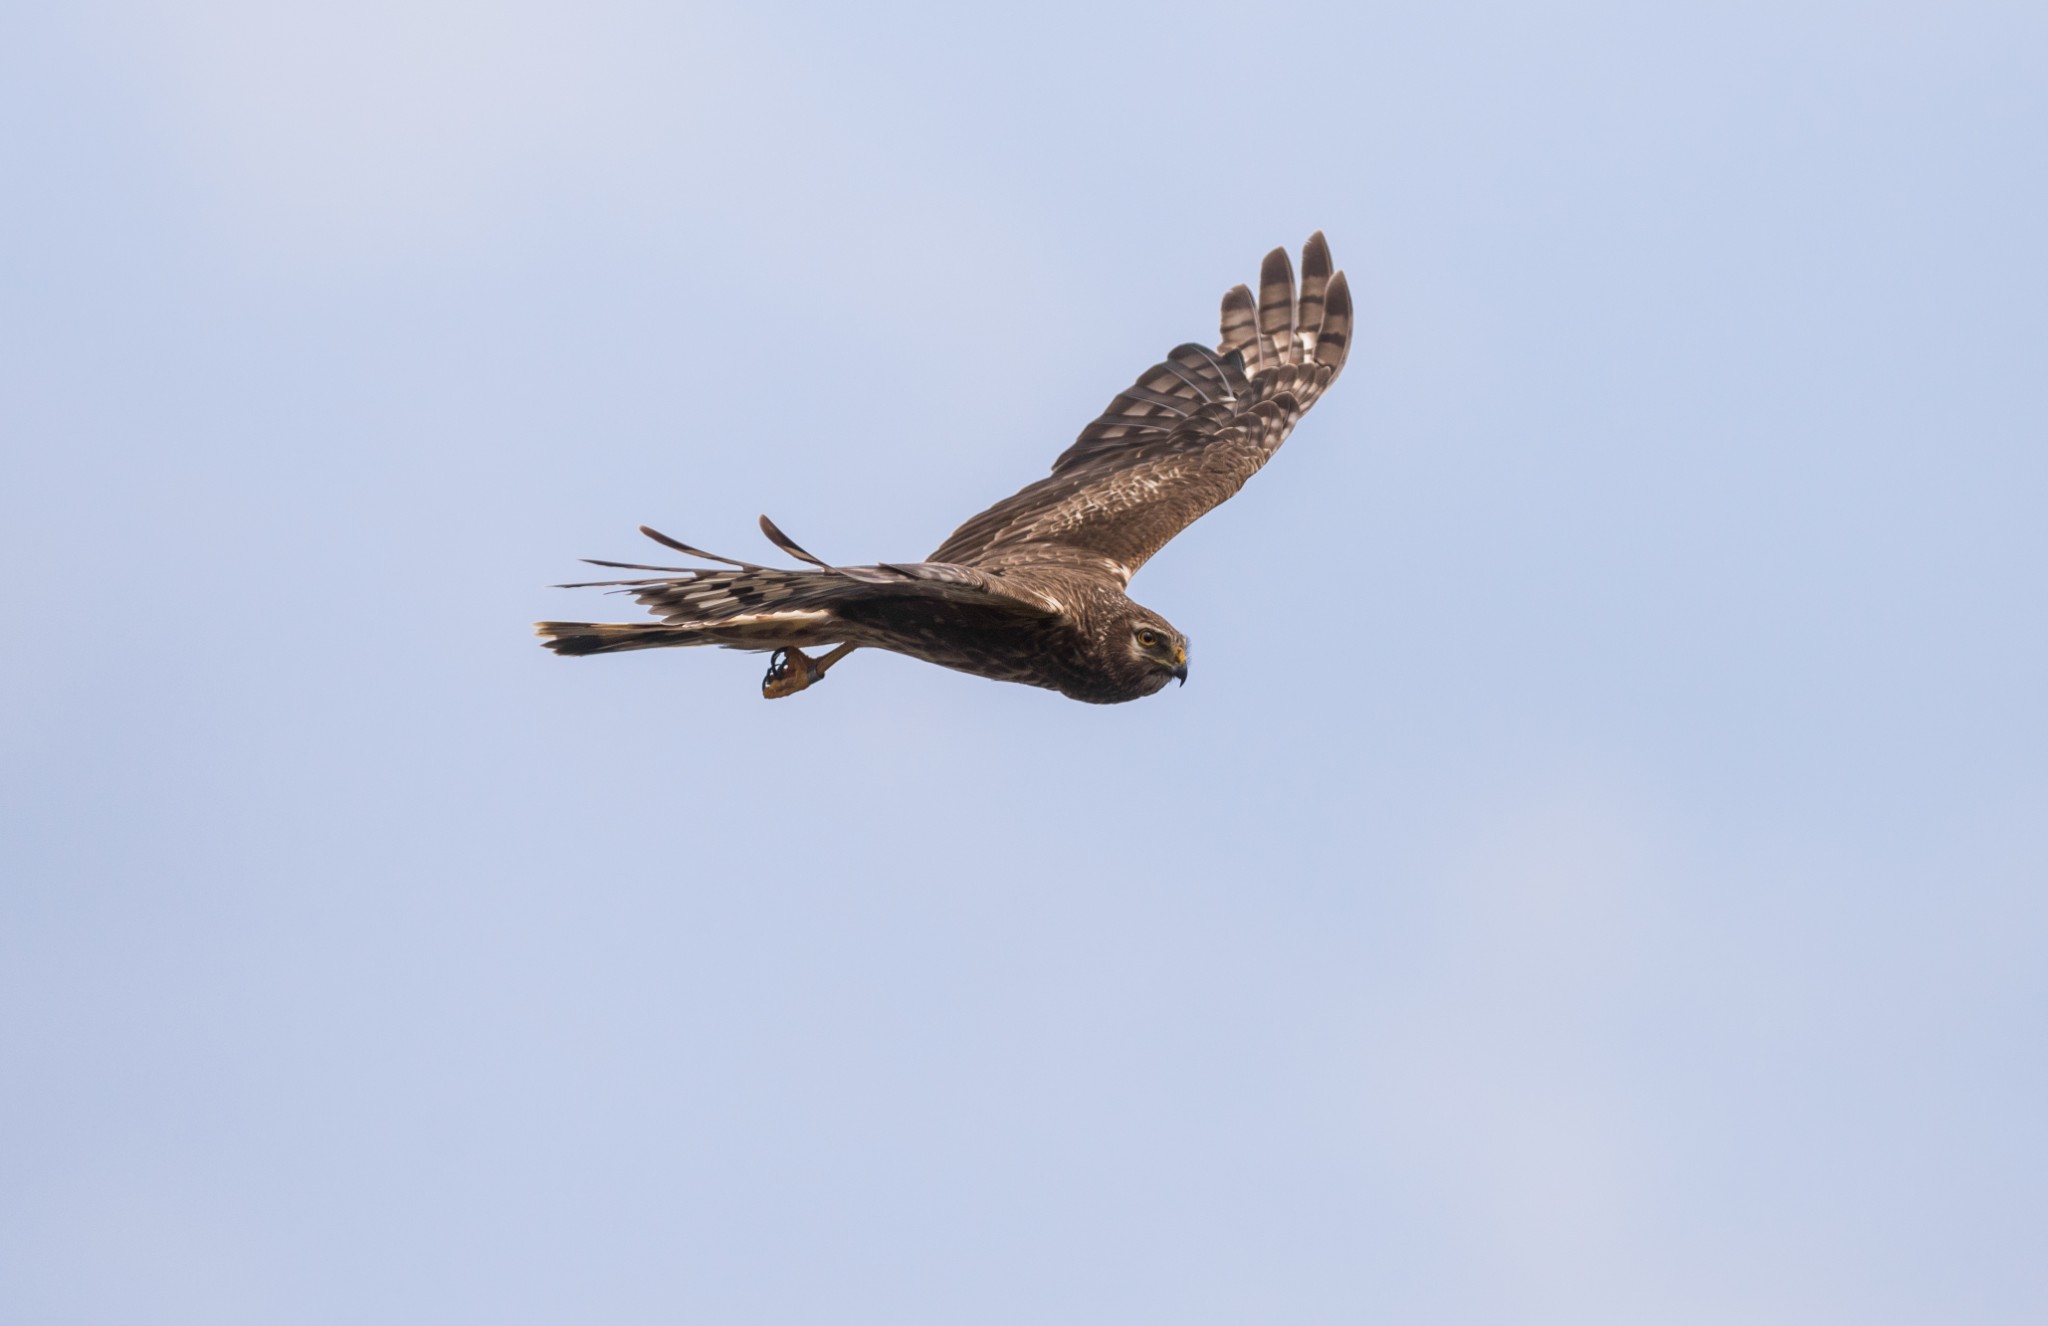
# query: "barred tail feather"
[613,637]
[789,629]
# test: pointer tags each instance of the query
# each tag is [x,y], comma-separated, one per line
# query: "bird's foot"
[789,671]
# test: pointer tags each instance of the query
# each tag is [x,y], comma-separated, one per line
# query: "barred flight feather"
[1276,306]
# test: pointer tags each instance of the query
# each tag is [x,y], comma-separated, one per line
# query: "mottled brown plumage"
[1032,589]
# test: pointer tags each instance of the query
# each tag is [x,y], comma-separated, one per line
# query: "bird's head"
[1153,651]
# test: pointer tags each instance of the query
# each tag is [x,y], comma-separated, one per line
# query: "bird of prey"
[1032,589]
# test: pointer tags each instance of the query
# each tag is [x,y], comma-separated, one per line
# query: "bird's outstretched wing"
[1183,438]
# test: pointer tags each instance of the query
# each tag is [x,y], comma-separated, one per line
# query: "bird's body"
[1032,590]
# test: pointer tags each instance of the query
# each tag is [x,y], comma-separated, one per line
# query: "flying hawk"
[1032,589]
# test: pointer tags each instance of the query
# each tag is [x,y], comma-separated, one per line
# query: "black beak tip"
[1180,674]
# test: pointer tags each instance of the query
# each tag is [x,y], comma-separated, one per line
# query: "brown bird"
[1032,589]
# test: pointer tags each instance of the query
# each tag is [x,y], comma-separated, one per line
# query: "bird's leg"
[792,670]
[833,657]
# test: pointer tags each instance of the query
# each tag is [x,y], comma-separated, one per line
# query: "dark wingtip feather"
[1240,325]
[1315,282]
[687,551]
[635,566]
[1276,303]
[1334,341]
[787,544]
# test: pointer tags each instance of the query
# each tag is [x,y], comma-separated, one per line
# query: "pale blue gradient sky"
[1612,888]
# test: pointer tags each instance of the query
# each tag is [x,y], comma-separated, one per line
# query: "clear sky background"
[1597,872]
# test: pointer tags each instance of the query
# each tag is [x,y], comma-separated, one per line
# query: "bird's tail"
[613,637]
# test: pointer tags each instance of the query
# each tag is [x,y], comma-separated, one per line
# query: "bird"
[1032,589]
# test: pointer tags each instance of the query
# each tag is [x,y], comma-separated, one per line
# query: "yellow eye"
[1148,638]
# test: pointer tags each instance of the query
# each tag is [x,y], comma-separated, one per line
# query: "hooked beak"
[1180,665]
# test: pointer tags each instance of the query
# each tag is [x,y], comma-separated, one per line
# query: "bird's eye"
[1148,638]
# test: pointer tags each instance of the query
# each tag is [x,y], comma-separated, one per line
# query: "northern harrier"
[1032,589]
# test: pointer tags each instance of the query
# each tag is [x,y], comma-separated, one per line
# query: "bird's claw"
[789,671]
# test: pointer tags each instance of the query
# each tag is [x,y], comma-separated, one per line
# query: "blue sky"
[1594,874]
